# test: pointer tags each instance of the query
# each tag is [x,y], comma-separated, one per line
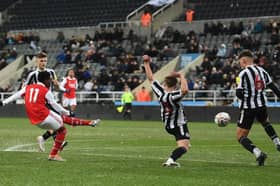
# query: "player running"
[250,90]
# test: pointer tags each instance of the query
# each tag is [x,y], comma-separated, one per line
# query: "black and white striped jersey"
[172,112]
[253,80]
[33,76]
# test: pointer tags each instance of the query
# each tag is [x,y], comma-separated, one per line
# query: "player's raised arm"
[275,89]
[184,85]
[147,67]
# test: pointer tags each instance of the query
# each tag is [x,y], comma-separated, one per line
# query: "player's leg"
[55,123]
[245,122]
[73,121]
[73,105]
[182,137]
[129,110]
[41,139]
[125,113]
[262,117]
[49,133]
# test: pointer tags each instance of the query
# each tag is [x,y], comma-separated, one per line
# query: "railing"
[215,97]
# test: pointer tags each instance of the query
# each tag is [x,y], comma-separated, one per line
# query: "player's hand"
[1,104]
[175,74]
[55,82]
[72,114]
[67,91]
[146,59]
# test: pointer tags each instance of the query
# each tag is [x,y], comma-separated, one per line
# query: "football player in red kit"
[70,84]
[36,96]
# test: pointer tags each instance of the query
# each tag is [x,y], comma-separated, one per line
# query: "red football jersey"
[35,103]
[70,85]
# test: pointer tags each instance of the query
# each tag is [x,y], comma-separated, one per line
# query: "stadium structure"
[104,42]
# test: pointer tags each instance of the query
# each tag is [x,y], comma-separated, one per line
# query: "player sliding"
[172,112]
[35,97]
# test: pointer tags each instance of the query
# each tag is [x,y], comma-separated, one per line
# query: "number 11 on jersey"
[33,95]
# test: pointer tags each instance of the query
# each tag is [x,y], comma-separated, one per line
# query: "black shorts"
[247,117]
[179,132]
[127,106]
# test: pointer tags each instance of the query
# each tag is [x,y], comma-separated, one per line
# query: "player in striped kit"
[172,112]
[253,82]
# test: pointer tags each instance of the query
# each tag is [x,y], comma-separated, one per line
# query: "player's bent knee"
[265,124]
[62,130]
[241,138]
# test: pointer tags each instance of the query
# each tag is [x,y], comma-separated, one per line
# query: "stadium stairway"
[9,76]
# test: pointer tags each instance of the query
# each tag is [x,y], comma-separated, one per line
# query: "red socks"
[75,121]
[60,136]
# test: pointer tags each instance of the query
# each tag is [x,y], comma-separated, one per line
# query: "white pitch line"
[21,148]
[158,158]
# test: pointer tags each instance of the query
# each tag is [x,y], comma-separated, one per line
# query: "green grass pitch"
[131,153]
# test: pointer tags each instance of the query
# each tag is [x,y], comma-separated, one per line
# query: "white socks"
[257,152]
[276,141]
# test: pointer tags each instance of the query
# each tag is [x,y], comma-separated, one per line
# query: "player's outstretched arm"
[14,97]
[61,85]
[55,105]
[275,89]
[147,67]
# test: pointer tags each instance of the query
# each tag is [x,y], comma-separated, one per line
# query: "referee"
[250,90]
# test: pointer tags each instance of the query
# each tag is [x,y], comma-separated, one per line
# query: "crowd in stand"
[110,59]
[220,67]
[117,56]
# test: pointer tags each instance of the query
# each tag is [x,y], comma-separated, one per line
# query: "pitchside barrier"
[198,111]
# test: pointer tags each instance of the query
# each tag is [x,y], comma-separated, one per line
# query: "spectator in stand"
[168,52]
[143,95]
[60,37]
[222,51]
[146,18]
[68,57]
[189,15]
[274,38]
[259,27]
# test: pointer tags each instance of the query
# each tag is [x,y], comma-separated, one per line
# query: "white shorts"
[66,102]
[53,121]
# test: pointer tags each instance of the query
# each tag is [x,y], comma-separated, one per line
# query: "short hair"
[43,76]
[41,54]
[246,53]
[170,81]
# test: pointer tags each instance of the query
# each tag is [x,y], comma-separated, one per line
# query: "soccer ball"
[222,119]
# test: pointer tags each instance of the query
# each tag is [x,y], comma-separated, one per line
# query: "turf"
[131,153]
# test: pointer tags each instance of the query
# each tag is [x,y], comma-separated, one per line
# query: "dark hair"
[41,55]
[245,53]
[170,81]
[43,76]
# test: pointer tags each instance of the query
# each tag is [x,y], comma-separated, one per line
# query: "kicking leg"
[79,122]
